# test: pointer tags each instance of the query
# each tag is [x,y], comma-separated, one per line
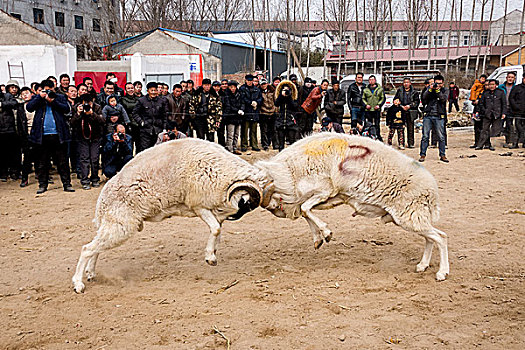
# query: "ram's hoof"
[421,268]
[328,237]
[318,244]
[441,276]
[212,262]
[90,276]
[79,287]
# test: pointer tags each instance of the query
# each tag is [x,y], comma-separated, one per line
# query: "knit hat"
[206,81]
[248,77]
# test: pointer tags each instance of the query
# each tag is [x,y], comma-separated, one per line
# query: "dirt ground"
[360,291]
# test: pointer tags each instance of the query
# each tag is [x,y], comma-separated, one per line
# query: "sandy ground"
[360,291]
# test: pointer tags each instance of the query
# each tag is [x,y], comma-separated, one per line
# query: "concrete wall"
[39,61]
[105,66]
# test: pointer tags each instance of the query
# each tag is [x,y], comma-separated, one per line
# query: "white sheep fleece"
[328,169]
[187,177]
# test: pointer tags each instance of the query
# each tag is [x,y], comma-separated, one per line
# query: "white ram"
[188,177]
[328,169]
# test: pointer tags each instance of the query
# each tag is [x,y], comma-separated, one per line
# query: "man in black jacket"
[517,106]
[334,103]
[150,113]
[355,99]
[409,98]
[304,119]
[493,103]
[50,135]
[253,99]
[13,122]
[435,101]
[117,151]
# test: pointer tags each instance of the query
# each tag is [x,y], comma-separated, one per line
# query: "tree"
[470,37]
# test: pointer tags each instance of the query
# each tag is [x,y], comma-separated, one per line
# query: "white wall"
[39,61]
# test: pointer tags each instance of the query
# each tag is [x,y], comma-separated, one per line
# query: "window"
[361,39]
[454,40]
[484,38]
[38,16]
[379,41]
[466,40]
[96,25]
[111,27]
[438,40]
[405,40]
[392,41]
[59,19]
[79,22]
[281,44]
[16,15]
[423,40]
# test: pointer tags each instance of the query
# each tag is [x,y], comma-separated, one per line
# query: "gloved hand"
[241,112]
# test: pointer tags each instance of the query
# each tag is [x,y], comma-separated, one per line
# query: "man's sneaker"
[478,148]
[492,148]
[95,183]
[24,183]
[41,190]
[443,159]
[411,146]
[422,158]
[69,188]
[85,187]
[401,147]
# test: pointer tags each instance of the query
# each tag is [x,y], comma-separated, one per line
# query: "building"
[169,56]
[28,54]
[86,24]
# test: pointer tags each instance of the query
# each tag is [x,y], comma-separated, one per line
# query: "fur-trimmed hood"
[289,84]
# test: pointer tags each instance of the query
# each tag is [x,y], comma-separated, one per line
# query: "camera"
[50,93]
[171,135]
[325,128]
[434,86]
[121,136]
[287,92]
[86,107]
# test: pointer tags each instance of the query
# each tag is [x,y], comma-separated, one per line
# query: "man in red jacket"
[453,95]
[313,101]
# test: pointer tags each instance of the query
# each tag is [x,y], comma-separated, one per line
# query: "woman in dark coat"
[286,123]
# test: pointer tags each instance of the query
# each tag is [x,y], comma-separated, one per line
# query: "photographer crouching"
[88,125]
[435,100]
[117,151]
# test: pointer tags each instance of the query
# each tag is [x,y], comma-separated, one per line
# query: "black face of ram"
[244,207]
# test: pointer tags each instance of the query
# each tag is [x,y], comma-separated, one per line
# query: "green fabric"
[377,98]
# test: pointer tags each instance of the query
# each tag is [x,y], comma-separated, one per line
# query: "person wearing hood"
[13,131]
[409,99]
[205,111]
[334,103]
[88,131]
[114,113]
[252,97]
[107,90]
[233,116]
[151,114]
[286,124]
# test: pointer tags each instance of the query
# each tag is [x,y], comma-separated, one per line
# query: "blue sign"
[193,67]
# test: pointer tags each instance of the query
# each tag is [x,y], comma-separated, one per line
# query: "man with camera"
[171,134]
[435,100]
[88,125]
[117,151]
[328,125]
[50,135]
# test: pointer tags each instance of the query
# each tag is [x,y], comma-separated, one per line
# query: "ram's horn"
[253,190]
[267,194]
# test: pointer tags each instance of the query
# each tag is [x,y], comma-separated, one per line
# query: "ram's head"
[245,196]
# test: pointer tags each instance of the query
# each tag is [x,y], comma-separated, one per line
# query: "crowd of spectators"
[82,131]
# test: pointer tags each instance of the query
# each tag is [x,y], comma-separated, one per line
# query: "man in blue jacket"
[252,97]
[50,135]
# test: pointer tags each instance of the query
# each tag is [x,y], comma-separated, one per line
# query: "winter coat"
[410,97]
[355,95]
[372,99]
[129,102]
[268,104]
[435,102]
[178,111]
[109,111]
[233,102]
[151,114]
[395,118]
[206,108]
[88,127]
[12,116]
[517,100]
[313,100]
[476,90]
[250,94]
[453,93]
[336,127]
[493,104]
[288,106]
[102,99]
[334,102]
[60,108]
[503,87]
[304,92]
[116,151]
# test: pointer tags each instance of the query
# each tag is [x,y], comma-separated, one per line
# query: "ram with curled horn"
[188,177]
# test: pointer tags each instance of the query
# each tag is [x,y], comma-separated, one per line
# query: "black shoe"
[411,147]
[85,187]
[69,188]
[3,179]
[492,148]
[41,190]
[95,183]
[24,183]
[443,159]
[422,159]
[237,152]
[265,148]
[256,149]
[478,148]
[14,177]
[243,149]
[473,146]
